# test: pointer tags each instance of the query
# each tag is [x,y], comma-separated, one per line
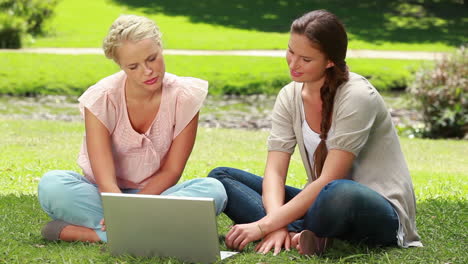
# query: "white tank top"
[311,138]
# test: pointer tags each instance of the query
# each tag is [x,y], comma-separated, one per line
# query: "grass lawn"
[29,74]
[29,148]
[247,24]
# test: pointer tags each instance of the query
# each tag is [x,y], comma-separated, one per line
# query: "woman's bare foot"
[294,239]
[309,244]
[78,233]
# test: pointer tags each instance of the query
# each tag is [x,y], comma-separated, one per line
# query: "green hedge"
[34,74]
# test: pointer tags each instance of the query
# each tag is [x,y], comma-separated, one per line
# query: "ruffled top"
[137,157]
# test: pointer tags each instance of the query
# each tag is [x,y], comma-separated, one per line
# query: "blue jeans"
[68,196]
[344,209]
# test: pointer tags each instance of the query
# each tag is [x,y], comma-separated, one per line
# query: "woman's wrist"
[109,188]
[264,226]
[261,230]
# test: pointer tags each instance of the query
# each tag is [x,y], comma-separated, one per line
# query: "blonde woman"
[141,125]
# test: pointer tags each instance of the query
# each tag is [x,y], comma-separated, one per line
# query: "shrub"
[11,30]
[21,19]
[442,93]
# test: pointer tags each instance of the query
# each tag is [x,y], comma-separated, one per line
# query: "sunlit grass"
[439,169]
[244,24]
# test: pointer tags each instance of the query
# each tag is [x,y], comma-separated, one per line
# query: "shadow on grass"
[369,20]
[441,224]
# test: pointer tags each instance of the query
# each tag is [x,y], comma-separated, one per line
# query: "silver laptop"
[162,226]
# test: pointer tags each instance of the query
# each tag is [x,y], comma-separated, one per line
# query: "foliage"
[30,148]
[429,25]
[442,92]
[21,19]
[33,74]
[12,29]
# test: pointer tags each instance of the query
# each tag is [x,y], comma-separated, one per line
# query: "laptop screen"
[162,226]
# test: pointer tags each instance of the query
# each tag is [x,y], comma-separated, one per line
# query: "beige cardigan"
[361,125]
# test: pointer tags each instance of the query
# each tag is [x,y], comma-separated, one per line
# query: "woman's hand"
[276,240]
[241,235]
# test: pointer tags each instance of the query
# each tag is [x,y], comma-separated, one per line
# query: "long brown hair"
[325,31]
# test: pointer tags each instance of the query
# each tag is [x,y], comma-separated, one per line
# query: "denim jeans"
[68,196]
[344,209]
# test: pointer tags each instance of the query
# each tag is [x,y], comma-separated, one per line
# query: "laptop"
[162,226]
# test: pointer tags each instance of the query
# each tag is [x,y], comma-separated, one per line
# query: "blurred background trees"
[21,20]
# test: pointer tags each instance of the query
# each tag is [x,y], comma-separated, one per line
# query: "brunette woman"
[358,184]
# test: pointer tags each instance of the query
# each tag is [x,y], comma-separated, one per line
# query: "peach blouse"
[137,157]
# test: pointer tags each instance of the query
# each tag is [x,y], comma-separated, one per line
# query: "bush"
[442,93]
[21,19]
[11,30]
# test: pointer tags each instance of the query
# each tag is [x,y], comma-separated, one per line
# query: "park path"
[383,54]
[252,118]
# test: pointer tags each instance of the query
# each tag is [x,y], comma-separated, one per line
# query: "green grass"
[246,24]
[29,148]
[31,74]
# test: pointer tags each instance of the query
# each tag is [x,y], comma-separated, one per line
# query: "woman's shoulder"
[184,97]
[109,85]
[290,91]
[182,92]
[356,82]
[106,92]
[288,98]
[184,83]
[290,87]
[357,90]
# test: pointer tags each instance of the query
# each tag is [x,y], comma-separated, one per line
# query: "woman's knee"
[218,173]
[337,198]
[218,193]
[50,183]
[52,188]
[343,197]
[339,190]
[203,187]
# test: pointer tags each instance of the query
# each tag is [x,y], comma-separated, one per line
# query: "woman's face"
[143,63]
[306,63]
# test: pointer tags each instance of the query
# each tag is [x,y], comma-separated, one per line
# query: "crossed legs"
[344,209]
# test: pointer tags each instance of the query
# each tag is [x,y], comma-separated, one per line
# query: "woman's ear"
[330,64]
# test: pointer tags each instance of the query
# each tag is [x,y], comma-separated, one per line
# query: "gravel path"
[244,112]
[237,112]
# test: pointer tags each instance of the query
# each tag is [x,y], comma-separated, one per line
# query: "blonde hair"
[129,28]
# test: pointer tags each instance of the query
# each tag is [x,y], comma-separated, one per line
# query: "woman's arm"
[171,171]
[337,166]
[273,195]
[274,180]
[98,143]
